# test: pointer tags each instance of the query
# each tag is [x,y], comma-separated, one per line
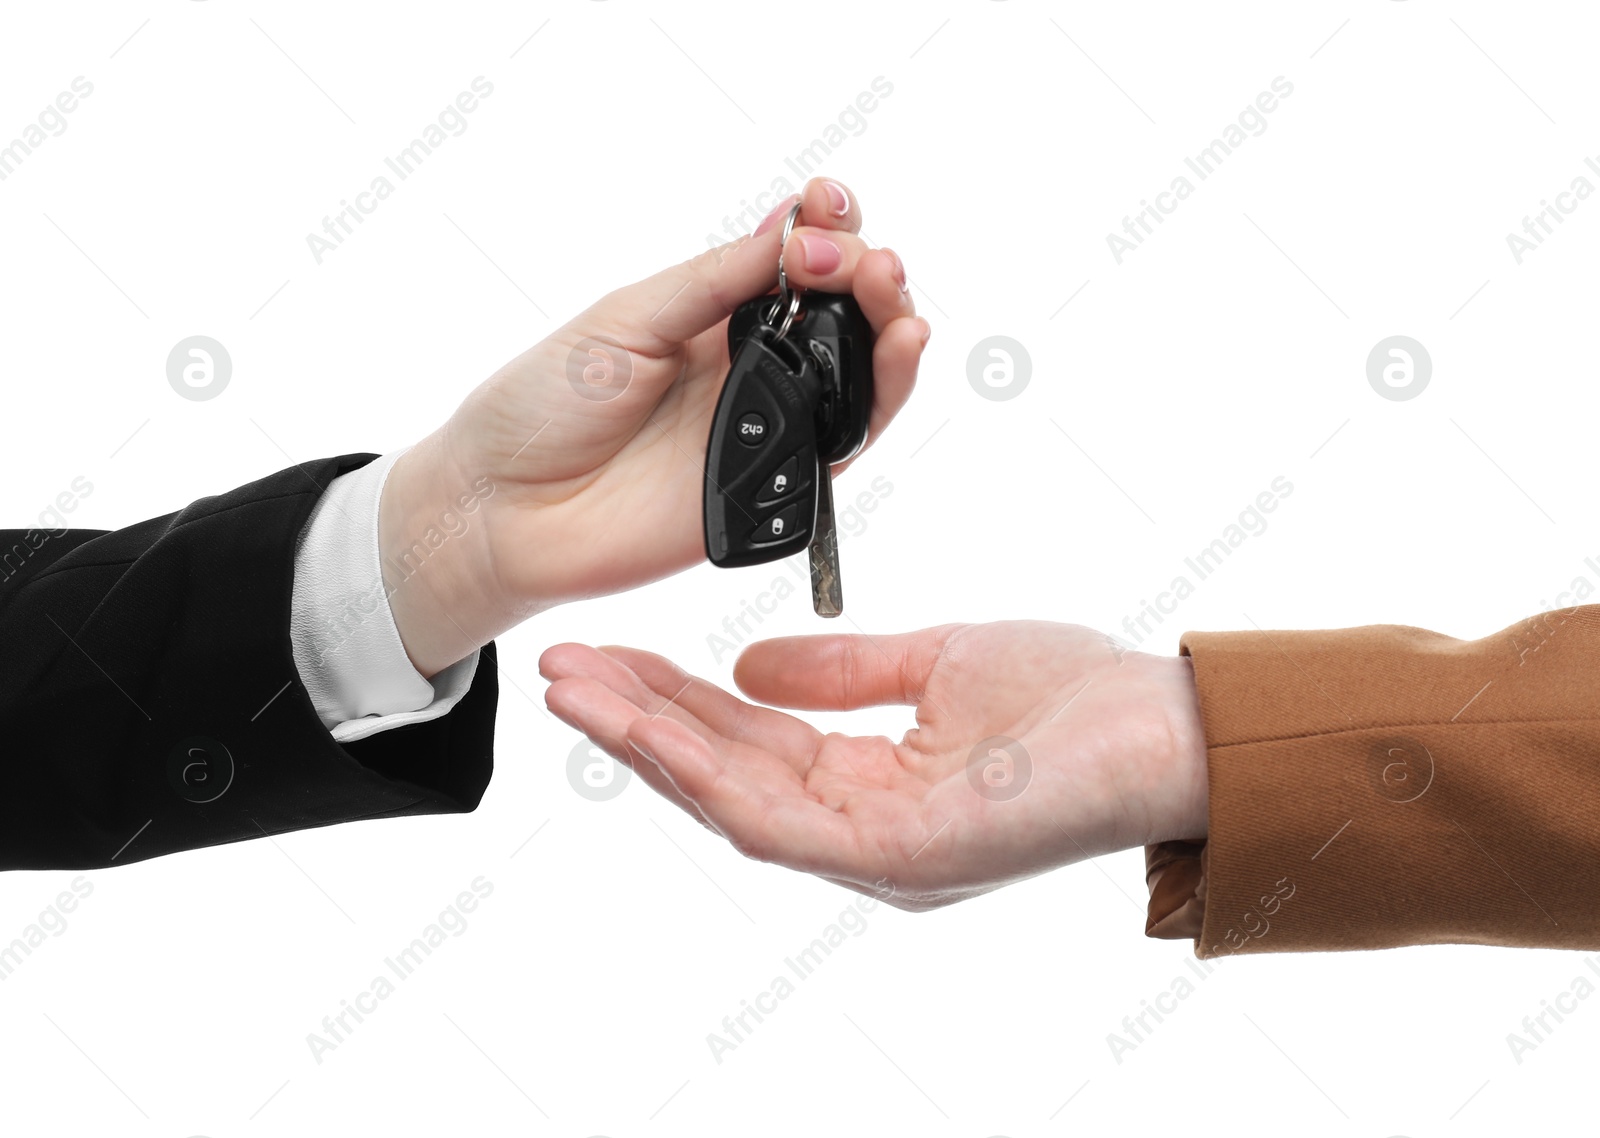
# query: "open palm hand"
[1036,745]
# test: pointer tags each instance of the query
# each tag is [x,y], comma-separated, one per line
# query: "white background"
[1229,349]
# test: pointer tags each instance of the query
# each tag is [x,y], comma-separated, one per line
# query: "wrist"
[1189,796]
[434,556]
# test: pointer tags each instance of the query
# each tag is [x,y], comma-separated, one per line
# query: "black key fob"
[792,405]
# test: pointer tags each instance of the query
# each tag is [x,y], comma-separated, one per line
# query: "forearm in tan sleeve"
[1383,786]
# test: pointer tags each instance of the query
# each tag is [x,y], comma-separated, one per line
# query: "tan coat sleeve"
[1383,786]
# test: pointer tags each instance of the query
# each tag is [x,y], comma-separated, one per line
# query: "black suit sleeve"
[149,700]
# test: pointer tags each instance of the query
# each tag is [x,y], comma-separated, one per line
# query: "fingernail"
[778,211]
[899,270]
[822,255]
[838,199]
[640,747]
[927,331]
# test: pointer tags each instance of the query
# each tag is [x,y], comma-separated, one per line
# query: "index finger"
[693,295]
[841,671]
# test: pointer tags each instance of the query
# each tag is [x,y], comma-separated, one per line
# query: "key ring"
[785,293]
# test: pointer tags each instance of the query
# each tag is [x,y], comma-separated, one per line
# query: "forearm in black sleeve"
[149,700]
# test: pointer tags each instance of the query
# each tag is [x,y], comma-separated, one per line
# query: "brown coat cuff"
[1386,785]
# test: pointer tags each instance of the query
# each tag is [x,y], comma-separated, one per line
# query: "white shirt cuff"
[346,645]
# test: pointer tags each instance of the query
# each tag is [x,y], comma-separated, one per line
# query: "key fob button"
[781,483]
[751,430]
[779,526]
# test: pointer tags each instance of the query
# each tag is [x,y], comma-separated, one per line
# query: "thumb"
[840,672]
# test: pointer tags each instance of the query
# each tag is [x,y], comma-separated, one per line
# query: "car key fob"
[798,399]
[761,461]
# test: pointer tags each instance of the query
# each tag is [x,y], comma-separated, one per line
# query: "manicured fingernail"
[778,211]
[927,331]
[822,255]
[899,270]
[838,199]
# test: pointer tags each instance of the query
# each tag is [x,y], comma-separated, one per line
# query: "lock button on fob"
[779,526]
[780,483]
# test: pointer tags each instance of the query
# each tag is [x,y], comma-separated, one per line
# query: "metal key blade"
[827,591]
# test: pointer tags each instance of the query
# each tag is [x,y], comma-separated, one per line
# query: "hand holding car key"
[797,400]
[599,487]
